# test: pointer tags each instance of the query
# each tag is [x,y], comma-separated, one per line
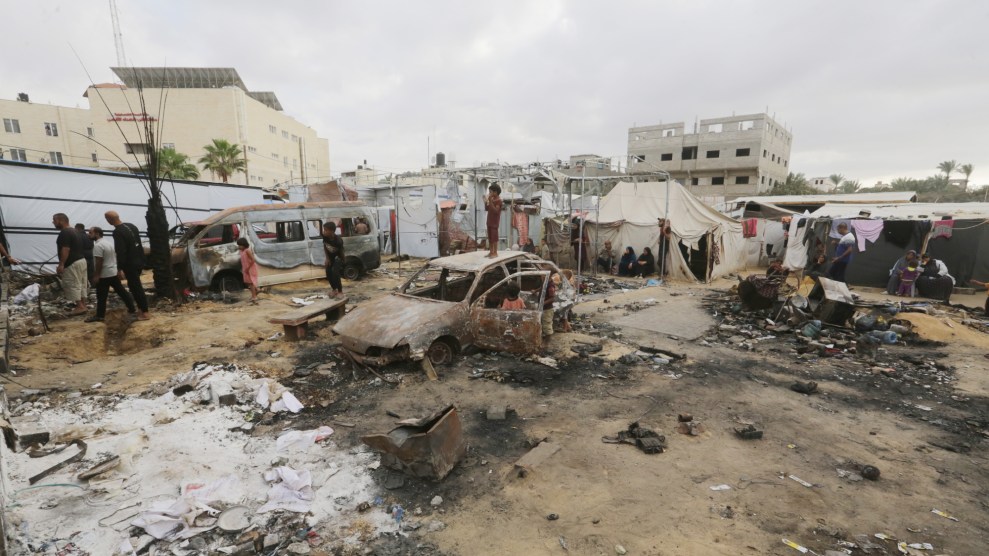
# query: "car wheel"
[352,271]
[228,283]
[440,352]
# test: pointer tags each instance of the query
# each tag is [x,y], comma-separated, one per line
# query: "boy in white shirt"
[105,274]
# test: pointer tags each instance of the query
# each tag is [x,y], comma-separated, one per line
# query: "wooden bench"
[296,323]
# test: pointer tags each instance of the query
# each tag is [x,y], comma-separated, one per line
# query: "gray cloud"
[873,90]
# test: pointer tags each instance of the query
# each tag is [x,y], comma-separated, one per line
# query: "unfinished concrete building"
[722,157]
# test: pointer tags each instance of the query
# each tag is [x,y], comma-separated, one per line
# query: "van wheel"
[352,271]
[440,352]
[227,283]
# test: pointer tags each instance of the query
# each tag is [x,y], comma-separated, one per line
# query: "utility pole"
[302,165]
[118,38]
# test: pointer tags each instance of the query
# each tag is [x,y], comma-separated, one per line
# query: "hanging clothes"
[867,230]
[834,227]
[943,228]
[520,221]
[750,227]
[796,253]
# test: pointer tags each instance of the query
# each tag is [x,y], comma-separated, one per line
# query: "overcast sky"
[873,90]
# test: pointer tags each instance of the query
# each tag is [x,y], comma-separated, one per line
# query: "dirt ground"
[924,426]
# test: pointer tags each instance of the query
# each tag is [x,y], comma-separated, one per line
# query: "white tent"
[628,217]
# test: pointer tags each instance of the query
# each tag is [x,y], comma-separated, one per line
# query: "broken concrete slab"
[497,412]
[536,456]
[223,394]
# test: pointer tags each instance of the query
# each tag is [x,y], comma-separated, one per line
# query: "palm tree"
[966,169]
[948,166]
[836,179]
[175,165]
[223,159]
[849,186]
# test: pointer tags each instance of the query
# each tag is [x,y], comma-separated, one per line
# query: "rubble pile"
[150,480]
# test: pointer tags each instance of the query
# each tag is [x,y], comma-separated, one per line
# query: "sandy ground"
[606,494]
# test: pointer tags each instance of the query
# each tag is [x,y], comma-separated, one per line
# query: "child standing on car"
[249,268]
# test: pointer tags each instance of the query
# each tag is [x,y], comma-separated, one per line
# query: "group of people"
[629,264]
[88,257]
[923,275]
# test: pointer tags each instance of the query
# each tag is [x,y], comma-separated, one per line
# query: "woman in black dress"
[646,264]
[934,281]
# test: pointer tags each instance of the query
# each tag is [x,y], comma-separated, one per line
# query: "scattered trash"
[943,514]
[78,456]
[644,439]
[436,501]
[691,428]
[870,472]
[111,463]
[721,487]
[804,387]
[619,549]
[300,441]
[801,481]
[234,519]
[553,517]
[795,546]
[748,432]
[428,448]
[291,490]
[27,295]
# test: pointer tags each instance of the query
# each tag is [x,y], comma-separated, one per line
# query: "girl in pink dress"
[249,268]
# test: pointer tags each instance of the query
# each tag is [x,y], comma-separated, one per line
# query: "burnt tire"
[352,271]
[227,283]
[441,352]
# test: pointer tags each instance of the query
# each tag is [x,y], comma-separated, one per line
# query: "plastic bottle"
[886,337]
[812,328]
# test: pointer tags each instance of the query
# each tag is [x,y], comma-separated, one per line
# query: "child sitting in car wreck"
[512,301]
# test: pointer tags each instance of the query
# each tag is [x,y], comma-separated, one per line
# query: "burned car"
[451,303]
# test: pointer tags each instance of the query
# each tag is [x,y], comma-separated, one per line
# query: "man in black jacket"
[130,259]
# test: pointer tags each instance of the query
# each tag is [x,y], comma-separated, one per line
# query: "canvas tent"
[706,244]
[914,226]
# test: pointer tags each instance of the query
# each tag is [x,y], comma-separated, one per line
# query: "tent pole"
[580,226]
[662,233]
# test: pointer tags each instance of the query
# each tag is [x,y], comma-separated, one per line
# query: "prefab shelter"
[764,228]
[955,233]
[705,243]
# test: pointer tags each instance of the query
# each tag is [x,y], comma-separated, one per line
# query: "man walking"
[71,263]
[130,259]
[87,250]
[105,274]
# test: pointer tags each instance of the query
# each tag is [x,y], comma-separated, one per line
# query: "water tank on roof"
[440,160]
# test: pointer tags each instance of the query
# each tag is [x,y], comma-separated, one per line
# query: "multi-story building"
[728,157]
[823,184]
[188,108]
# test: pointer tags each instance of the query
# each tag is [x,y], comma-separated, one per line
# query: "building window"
[284,134]
[774,157]
[695,181]
[742,152]
[251,149]
[285,162]
[272,129]
[669,132]
[762,180]
[55,157]
[689,153]
[786,163]
[666,156]
[51,129]
[741,180]
[95,158]
[137,148]
[295,138]
[18,154]
[713,154]
[168,146]
[295,163]
[90,132]
[720,180]
[715,128]
[764,153]
[11,126]
[275,156]
[639,157]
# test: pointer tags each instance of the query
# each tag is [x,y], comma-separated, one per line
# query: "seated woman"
[934,281]
[627,263]
[646,263]
[893,285]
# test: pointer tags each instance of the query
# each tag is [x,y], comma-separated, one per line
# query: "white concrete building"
[190,106]
[737,155]
[822,184]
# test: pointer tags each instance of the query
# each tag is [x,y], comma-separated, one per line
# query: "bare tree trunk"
[161,255]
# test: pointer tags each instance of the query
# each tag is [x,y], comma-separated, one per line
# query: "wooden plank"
[303,314]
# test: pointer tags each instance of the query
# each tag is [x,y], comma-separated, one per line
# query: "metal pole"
[662,232]
[597,225]
[580,226]
[394,203]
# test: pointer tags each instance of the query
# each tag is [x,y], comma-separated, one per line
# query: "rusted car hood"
[386,321]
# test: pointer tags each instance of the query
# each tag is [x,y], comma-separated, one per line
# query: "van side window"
[315,228]
[346,227]
[220,234]
[280,232]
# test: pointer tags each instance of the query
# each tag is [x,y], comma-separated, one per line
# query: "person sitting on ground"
[528,246]
[248,268]
[907,278]
[512,301]
[627,263]
[986,286]
[909,259]
[934,281]
[105,275]
[646,263]
[606,258]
